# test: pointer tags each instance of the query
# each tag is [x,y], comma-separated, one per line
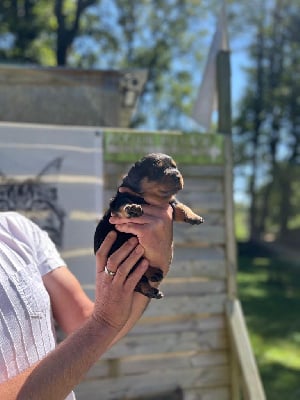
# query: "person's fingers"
[103,251]
[139,229]
[129,228]
[114,261]
[124,269]
[134,277]
[114,220]
[129,253]
[156,210]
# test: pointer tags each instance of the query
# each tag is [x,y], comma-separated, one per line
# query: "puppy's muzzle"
[176,178]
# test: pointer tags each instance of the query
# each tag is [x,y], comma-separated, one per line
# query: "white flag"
[206,101]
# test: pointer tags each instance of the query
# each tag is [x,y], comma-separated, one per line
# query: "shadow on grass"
[280,382]
[269,289]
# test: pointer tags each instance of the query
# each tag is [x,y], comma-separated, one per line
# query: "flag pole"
[223,79]
[224,92]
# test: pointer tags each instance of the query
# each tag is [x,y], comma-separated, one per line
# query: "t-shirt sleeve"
[47,255]
[34,241]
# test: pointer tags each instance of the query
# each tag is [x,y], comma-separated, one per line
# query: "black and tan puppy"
[155,180]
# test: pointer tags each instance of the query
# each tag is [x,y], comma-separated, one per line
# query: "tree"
[269,116]
[250,122]
[68,25]
[162,36]
[42,32]
[22,23]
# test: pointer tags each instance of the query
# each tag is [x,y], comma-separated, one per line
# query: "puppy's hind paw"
[156,277]
[158,294]
[153,293]
[147,290]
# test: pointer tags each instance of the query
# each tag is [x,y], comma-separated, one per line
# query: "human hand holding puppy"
[153,181]
[154,230]
[115,282]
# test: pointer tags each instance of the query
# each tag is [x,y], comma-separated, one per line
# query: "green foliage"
[25,21]
[269,288]
[157,36]
[163,37]
[241,222]
[267,129]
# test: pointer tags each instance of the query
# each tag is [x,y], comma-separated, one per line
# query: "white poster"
[53,175]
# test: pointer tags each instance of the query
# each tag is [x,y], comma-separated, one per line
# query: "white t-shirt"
[26,324]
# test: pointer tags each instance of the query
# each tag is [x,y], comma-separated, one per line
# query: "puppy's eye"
[163,193]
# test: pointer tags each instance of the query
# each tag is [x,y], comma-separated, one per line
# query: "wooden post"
[225,126]
[231,258]
[224,92]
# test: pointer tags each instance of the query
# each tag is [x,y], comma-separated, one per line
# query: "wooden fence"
[193,344]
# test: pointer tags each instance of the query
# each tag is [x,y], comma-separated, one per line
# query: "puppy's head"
[154,177]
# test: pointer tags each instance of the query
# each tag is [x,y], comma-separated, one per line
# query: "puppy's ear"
[124,189]
[183,213]
[132,180]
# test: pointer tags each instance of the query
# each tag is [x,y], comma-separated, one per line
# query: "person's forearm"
[59,372]
[140,303]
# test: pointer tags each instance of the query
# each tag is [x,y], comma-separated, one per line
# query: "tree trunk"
[258,108]
[285,197]
[65,34]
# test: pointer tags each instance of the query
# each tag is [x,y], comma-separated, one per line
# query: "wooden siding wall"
[181,341]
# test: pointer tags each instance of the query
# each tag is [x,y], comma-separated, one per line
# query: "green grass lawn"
[269,289]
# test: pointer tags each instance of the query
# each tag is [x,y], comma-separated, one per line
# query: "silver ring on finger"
[109,272]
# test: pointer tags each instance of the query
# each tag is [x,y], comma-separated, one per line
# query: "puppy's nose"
[178,181]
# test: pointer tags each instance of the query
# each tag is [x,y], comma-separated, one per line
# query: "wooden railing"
[250,382]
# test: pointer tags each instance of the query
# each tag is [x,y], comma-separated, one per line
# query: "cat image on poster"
[37,199]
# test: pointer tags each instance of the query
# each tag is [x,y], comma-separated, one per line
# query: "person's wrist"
[99,325]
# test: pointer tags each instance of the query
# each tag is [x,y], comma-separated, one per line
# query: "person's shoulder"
[13,217]
[14,221]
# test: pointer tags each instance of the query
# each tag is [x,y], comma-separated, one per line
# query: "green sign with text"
[186,148]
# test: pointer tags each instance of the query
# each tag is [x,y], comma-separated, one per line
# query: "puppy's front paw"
[194,219]
[183,213]
[133,210]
